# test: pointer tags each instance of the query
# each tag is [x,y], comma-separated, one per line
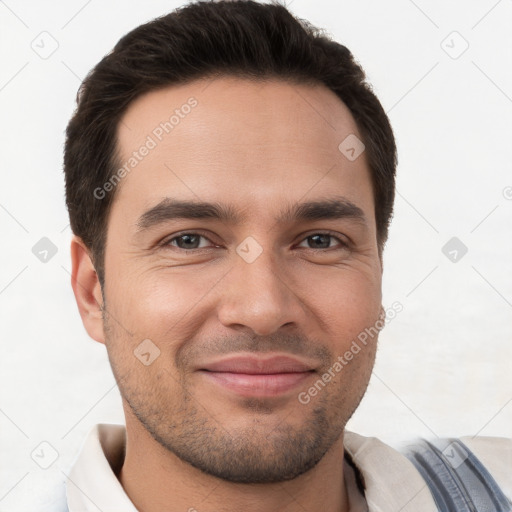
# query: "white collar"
[391,481]
[92,484]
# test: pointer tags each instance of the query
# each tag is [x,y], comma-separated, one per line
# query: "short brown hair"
[240,38]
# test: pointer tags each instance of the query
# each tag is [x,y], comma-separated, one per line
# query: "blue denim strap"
[458,481]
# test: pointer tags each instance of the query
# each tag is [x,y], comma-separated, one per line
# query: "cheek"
[169,303]
[162,303]
[348,301]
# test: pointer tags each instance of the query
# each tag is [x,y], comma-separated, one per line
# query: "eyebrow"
[325,209]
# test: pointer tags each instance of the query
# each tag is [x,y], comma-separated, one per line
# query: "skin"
[257,146]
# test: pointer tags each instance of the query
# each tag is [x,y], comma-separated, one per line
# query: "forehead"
[249,143]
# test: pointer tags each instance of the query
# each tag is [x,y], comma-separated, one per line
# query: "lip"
[259,365]
[256,376]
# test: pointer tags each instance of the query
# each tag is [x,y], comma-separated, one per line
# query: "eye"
[187,241]
[194,241]
[323,241]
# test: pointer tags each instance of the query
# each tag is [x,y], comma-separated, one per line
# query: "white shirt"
[391,482]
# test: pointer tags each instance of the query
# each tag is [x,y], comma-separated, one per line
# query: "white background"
[444,363]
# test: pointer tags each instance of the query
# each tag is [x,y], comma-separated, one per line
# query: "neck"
[155,479]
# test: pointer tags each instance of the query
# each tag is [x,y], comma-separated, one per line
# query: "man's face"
[267,282]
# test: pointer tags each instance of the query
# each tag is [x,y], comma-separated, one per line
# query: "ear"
[87,290]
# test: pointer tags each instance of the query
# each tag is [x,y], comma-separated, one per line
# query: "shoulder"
[391,482]
[495,453]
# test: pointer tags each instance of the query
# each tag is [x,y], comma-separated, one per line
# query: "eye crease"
[320,238]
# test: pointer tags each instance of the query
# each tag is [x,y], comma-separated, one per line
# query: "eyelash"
[167,242]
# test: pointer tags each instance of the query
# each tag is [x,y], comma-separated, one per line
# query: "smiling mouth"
[263,375]
[260,384]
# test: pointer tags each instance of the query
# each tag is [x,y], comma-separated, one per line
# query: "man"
[230,182]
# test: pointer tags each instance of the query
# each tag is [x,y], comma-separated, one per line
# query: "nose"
[258,296]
